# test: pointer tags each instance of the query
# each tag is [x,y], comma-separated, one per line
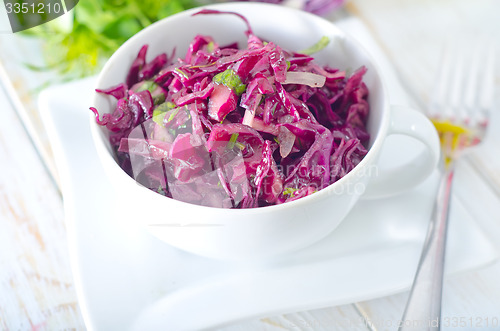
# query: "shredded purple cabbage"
[232,128]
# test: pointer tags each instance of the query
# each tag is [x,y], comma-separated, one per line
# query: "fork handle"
[423,309]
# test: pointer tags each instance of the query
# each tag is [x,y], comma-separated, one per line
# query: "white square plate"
[126,278]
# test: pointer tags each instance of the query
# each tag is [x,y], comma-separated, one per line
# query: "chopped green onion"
[148,85]
[232,141]
[187,112]
[159,117]
[160,112]
[152,87]
[274,108]
[172,114]
[180,72]
[240,145]
[290,191]
[170,105]
[161,190]
[230,79]
[322,43]
[210,47]
[203,65]
[159,99]
[173,132]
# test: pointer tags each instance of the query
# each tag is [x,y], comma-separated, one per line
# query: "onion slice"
[304,78]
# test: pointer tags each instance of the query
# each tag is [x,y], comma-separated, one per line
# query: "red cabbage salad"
[237,127]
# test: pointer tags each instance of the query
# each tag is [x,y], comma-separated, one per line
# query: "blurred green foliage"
[78,43]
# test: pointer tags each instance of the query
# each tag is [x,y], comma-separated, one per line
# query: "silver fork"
[459,109]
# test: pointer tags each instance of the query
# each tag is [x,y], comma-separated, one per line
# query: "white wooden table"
[37,290]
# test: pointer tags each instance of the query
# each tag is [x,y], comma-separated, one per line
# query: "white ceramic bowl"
[268,231]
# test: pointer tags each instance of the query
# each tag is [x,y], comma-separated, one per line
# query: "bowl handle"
[412,123]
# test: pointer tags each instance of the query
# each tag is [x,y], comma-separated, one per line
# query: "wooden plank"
[35,279]
[22,86]
[471,301]
[341,318]
[412,34]
[35,276]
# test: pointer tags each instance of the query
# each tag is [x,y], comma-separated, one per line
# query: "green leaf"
[122,29]
[91,14]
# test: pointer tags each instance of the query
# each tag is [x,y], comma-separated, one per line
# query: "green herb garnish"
[322,43]
[158,116]
[230,79]
[160,112]
[172,114]
[290,191]
[210,47]
[180,72]
[232,141]
[149,85]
